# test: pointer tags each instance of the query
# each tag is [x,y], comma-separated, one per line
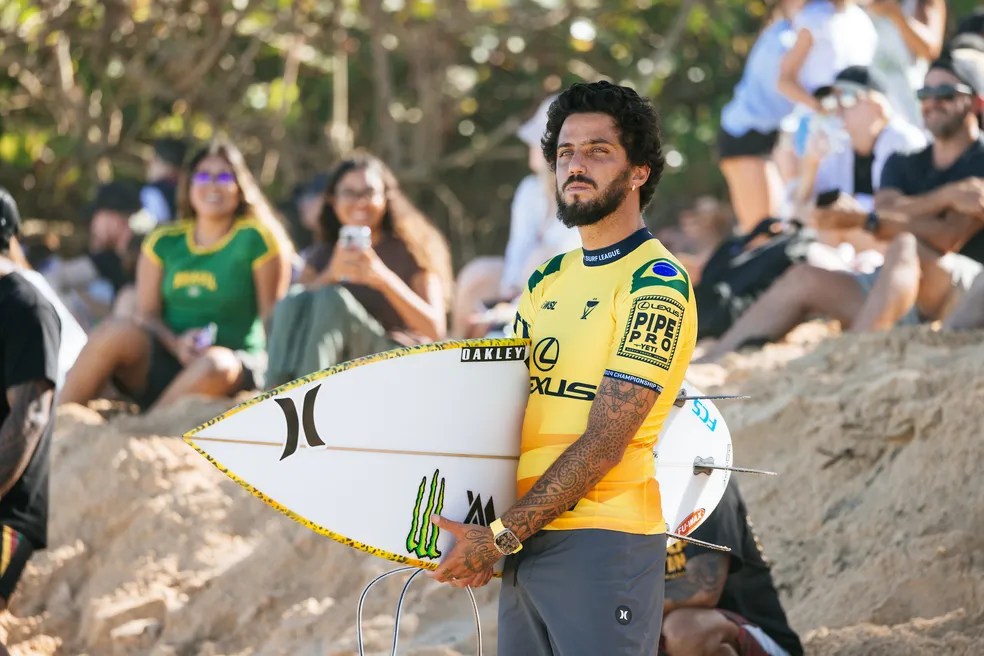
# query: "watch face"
[507,542]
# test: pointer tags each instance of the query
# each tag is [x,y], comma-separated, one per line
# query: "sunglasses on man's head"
[203,178]
[944,92]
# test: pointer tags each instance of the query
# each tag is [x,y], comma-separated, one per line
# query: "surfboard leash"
[399,608]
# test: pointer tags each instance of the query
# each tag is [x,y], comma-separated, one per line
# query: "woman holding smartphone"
[381,279]
[205,284]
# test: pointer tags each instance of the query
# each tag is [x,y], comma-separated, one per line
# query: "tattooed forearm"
[617,412]
[30,412]
[701,585]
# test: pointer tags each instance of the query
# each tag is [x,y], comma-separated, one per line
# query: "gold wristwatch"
[504,539]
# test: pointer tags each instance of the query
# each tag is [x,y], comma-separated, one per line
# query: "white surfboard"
[366,451]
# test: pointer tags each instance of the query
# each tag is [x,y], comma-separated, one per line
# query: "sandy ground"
[875,525]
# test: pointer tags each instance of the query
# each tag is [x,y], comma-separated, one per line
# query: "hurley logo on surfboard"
[492,353]
[422,539]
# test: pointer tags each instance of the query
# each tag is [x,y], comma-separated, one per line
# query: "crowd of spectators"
[864,139]
[854,158]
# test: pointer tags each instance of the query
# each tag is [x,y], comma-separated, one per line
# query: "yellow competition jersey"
[628,312]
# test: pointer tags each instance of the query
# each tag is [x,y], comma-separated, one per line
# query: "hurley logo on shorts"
[422,539]
[493,353]
[623,614]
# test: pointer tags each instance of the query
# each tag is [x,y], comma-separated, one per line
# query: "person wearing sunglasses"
[875,132]
[205,285]
[929,210]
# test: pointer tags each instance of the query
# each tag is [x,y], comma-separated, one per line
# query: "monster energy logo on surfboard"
[422,539]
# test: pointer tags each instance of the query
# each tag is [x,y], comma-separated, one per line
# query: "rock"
[101,619]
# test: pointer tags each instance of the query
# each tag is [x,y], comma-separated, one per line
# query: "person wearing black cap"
[91,284]
[930,211]
[159,195]
[30,338]
[876,132]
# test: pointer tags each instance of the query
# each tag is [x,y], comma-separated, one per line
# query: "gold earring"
[633,187]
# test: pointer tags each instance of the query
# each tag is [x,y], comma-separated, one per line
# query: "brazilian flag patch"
[662,272]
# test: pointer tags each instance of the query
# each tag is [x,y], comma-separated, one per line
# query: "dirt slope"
[875,526]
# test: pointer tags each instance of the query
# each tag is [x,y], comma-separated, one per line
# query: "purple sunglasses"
[203,178]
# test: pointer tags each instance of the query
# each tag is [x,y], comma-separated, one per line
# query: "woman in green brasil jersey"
[205,285]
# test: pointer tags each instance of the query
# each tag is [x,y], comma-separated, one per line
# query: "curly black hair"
[635,117]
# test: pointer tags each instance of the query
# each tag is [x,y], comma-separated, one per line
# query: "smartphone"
[828,198]
[357,237]
[206,337]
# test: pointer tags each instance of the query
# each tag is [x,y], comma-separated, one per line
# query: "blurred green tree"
[437,87]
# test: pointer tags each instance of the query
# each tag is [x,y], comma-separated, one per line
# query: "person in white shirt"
[858,97]
[830,36]
[488,288]
[910,35]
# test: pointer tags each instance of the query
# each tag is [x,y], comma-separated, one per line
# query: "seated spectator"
[535,236]
[704,228]
[91,284]
[750,124]
[910,36]
[857,98]
[723,603]
[928,211]
[159,195]
[363,298]
[205,285]
[969,312]
[310,203]
[830,36]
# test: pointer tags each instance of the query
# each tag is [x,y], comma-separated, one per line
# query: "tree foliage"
[437,87]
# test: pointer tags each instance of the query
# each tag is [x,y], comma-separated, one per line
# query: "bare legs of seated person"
[755,187]
[969,313]
[478,282]
[913,278]
[120,349]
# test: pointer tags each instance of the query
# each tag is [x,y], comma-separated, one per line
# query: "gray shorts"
[963,270]
[586,592]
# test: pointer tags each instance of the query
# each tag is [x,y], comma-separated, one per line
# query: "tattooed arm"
[700,586]
[30,413]
[616,414]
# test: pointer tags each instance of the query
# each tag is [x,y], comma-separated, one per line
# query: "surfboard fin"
[682,399]
[700,543]
[705,465]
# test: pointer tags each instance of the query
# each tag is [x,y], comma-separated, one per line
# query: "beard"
[585,213]
[947,127]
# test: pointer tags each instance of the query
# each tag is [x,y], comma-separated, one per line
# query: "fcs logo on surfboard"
[422,538]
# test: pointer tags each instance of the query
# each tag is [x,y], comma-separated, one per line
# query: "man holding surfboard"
[612,329]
